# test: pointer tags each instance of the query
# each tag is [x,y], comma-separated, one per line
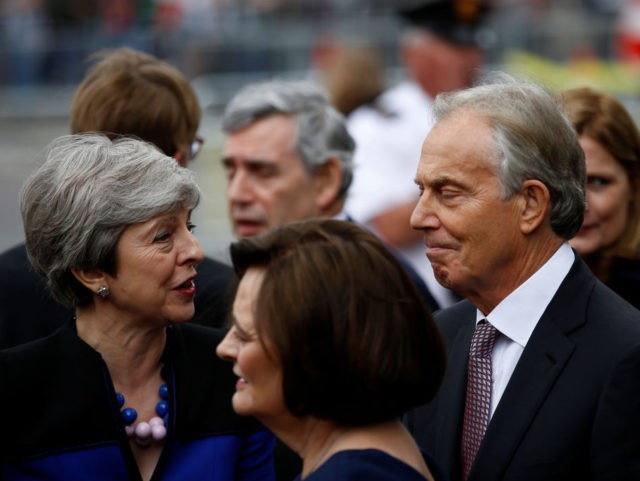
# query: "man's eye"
[191,227]
[449,194]
[264,171]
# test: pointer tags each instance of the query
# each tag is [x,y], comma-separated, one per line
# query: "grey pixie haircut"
[321,129]
[76,205]
[533,139]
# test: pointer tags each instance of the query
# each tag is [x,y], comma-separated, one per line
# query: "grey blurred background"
[223,44]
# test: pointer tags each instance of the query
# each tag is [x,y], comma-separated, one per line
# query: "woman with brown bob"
[332,343]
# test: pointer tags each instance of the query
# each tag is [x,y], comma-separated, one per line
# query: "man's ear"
[92,279]
[328,178]
[535,205]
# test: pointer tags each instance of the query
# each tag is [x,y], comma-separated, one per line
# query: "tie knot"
[484,337]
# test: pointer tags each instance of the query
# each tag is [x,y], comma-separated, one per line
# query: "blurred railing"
[35,50]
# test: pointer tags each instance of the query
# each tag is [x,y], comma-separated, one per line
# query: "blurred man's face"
[441,66]
[267,183]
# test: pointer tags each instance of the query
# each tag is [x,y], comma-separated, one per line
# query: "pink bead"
[158,432]
[143,430]
[156,421]
[129,430]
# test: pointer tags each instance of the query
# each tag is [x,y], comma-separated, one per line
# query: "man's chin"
[442,276]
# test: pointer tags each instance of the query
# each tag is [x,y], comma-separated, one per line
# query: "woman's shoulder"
[370,464]
[62,340]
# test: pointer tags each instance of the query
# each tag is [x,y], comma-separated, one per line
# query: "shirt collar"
[518,314]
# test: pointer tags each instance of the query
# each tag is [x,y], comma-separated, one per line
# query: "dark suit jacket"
[571,409]
[27,310]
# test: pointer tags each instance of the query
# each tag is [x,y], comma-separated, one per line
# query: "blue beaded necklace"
[146,432]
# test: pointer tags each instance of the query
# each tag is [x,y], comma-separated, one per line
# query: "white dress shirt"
[388,145]
[518,314]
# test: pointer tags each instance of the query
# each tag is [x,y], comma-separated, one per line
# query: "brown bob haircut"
[354,338]
[128,92]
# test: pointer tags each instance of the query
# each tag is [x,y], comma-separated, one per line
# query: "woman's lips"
[187,289]
[240,383]
[585,229]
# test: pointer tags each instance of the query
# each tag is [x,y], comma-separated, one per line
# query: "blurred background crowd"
[46,42]
[221,45]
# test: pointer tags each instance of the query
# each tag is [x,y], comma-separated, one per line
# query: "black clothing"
[625,280]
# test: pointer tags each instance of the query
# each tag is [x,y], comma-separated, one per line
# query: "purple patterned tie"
[478,399]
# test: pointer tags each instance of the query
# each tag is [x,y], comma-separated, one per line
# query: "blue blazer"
[571,409]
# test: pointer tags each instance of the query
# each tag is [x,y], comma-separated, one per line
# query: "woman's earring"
[103,291]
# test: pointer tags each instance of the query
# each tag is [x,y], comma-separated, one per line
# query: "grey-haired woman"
[127,389]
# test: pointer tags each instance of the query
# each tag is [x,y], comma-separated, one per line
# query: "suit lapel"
[542,361]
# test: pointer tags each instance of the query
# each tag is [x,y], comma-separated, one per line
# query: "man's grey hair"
[76,205]
[533,139]
[321,129]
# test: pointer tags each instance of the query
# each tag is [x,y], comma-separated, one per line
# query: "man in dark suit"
[126,92]
[543,360]
[288,157]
